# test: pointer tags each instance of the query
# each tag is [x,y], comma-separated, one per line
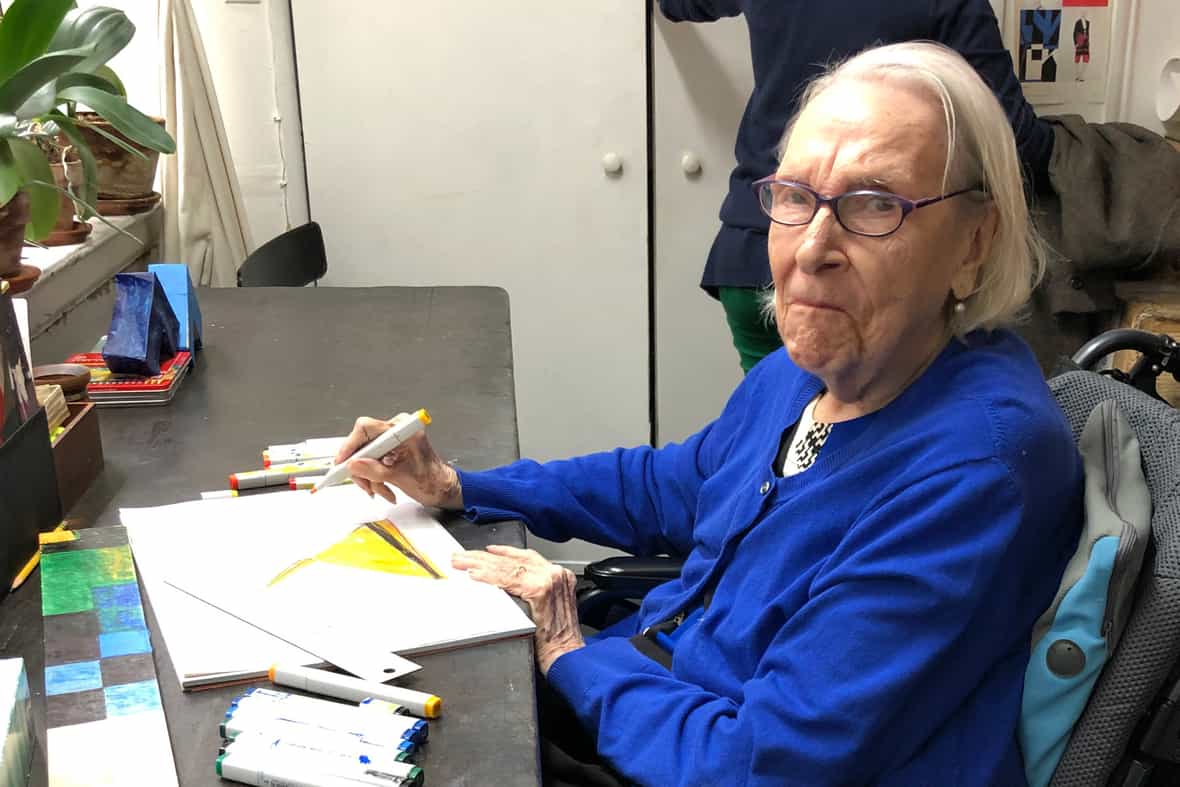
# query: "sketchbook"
[238,584]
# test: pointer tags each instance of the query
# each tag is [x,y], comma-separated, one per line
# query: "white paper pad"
[226,551]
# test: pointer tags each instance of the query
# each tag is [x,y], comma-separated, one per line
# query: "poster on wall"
[1060,49]
[1087,24]
[1038,54]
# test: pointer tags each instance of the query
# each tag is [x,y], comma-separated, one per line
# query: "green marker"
[271,766]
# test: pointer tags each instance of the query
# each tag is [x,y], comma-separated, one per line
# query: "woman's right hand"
[413,467]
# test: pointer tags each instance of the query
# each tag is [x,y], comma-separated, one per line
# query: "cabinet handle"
[612,163]
[690,163]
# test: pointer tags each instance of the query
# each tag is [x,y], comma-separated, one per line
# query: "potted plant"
[53,59]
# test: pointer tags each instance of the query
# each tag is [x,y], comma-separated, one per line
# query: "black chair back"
[294,259]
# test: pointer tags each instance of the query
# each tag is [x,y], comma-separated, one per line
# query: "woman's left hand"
[547,588]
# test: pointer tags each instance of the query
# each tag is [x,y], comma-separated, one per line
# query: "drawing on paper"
[373,546]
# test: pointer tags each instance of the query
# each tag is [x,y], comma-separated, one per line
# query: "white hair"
[981,150]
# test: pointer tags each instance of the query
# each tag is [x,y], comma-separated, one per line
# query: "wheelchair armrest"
[612,586]
[632,577]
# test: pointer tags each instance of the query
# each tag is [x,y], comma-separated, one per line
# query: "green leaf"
[10,180]
[126,119]
[89,194]
[26,82]
[102,31]
[89,80]
[108,73]
[102,132]
[26,30]
[38,179]
[39,103]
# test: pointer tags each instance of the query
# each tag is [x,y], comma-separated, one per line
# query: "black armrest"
[618,582]
[633,577]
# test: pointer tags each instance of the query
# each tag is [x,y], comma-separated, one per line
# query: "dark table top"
[281,364]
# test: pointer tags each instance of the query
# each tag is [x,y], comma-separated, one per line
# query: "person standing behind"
[791,42]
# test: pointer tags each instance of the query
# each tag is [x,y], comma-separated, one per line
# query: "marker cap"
[433,707]
[217,765]
[233,482]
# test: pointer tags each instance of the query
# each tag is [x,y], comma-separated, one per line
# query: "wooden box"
[77,455]
[1152,306]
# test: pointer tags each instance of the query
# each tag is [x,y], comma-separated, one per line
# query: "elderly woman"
[880,513]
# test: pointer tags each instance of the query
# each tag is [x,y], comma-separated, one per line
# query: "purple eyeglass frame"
[908,206]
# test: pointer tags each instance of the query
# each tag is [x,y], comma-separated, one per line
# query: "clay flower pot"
[14,215]
[67,230]
[121,175]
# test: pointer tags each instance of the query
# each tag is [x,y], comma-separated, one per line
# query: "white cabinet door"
[701,76]
[458,142]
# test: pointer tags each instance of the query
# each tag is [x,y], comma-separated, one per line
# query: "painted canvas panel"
[100,680]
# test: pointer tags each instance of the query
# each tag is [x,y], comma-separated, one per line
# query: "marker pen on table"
[315,702]
[268,768]
[329,757]
[328,744]
[384,730]
[276,475]
[350,718]
[345,687]
[219,493]
[315,448]
[379,446]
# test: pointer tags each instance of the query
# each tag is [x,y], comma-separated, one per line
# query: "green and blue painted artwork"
[98,654]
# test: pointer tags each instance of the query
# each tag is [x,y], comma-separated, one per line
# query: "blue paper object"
[143,329]
[182,297]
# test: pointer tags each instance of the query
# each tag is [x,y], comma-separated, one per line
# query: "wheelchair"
[1129,733]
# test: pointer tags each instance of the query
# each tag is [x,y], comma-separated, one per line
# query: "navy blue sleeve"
[971,29]
[896,632]
[699,10]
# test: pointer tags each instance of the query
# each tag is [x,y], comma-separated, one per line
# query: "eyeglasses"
[871,213]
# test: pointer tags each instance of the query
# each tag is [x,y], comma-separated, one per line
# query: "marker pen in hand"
[378,447]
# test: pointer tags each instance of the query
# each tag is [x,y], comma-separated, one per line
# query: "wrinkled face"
[849,306]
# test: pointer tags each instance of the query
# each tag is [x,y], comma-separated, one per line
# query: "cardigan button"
[764,488]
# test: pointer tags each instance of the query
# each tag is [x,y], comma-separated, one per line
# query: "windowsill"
[72,274]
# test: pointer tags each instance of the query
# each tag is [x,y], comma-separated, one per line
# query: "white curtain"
[205,223]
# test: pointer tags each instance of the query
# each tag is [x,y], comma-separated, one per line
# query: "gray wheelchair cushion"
[1150,644]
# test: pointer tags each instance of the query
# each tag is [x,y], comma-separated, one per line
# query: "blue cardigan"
[790,42]
[871,616]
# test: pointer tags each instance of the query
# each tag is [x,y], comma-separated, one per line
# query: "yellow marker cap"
[433,706]
[423,416]
[270,673]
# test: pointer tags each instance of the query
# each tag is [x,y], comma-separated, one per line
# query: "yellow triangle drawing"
[374,546]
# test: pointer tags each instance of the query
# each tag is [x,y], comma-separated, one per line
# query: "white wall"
[136,64]
[1155,38]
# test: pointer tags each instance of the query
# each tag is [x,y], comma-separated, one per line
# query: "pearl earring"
[960,307]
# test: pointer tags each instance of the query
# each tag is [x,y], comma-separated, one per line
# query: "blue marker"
[237,722]
[318,742]
[349,719]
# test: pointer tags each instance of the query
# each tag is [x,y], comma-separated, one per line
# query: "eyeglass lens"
[865,213]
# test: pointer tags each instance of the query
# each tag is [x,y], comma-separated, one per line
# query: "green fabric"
[754,335]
